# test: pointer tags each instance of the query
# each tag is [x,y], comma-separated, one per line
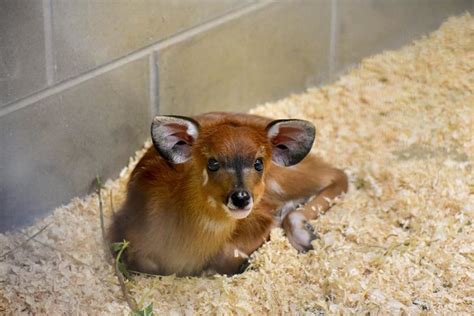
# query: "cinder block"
[52,151]
[368,27]
[262,56]
[89,33]
[22,52]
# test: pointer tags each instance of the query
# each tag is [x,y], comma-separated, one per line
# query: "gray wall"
[80,80]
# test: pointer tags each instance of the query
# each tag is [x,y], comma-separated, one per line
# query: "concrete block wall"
[81,80]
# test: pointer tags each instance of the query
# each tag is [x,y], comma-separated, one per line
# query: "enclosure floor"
[402,239]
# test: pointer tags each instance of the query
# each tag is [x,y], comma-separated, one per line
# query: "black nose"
[240,199]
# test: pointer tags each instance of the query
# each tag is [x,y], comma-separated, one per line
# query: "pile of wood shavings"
[402,240]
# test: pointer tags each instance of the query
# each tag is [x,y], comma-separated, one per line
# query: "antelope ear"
[173,137]
[291,140]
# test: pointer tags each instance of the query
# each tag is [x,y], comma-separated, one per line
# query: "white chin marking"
[237,213]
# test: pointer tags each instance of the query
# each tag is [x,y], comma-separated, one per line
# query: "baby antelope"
[209,191]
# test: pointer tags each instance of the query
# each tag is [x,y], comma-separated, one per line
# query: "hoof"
[299,231]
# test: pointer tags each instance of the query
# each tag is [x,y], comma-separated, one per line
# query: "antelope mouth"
[238,213]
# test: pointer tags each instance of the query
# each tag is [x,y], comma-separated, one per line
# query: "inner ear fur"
[173,137]
[291,140]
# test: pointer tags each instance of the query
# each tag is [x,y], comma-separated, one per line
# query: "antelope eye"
[258,165]
[213,165]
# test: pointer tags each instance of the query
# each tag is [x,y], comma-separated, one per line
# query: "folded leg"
[303,192]
[249,235]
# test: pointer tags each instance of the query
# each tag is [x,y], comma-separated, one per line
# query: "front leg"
[299,231]
[304,192]
[230,260]
[296,223]
[250,234]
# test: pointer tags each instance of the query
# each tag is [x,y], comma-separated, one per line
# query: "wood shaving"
[401,240]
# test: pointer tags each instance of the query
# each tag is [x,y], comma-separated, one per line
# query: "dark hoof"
[244,266]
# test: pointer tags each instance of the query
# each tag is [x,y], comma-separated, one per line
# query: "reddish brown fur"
[174,227]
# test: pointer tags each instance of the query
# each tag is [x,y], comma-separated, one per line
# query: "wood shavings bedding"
[402,240]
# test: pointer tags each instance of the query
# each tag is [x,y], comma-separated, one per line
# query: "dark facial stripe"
[239,176]
[238,163]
